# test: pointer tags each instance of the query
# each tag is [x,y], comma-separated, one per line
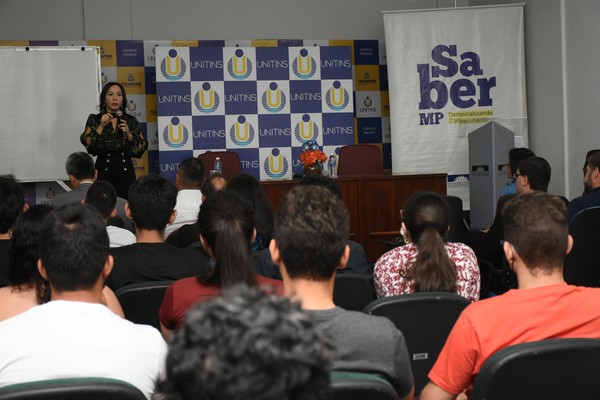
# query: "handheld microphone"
[119,114]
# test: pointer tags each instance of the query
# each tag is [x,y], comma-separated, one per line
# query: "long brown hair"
[426,216]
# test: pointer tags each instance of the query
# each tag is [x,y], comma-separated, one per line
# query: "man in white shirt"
[189,180]
[75,335]
[103,196]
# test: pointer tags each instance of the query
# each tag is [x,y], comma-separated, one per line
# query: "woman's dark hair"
[250,189]
[103,97]
[426,216]
[225,222]
[24,252]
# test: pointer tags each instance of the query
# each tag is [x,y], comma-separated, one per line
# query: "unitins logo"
[273,99]
[276,165]
[241,132]
[175,134]
[304,66]
[306,129]
[206,99]
[239,66]
[172,67]
[337,97]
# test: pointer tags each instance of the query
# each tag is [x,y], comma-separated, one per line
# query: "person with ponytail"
[226,226]
[426,263]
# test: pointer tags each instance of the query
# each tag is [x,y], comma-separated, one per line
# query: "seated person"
[591,186]
[26,287]
[248,188]
[427,263]
[189,180]
[103,196]
[515,156]
[533,175]
[75,335]
[12,204]
[310,245]
[357,263]
[247,345]
[543,307]
[227,233]
[188,235]
[151,206]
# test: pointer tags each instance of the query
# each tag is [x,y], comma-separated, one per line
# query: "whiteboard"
[46,94]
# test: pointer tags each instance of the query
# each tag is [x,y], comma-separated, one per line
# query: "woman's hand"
[104,120]
[125,129]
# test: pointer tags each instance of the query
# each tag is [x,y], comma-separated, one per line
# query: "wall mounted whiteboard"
[46,94]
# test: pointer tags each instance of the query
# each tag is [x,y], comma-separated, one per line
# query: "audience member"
[189,180]
[246,345]
[533,175]
[189,235]
[544,306]
[515,156]
[12,204]
[151,206]
[103,196]
[591,186]
[357,262]
[227,231]
[309,245]
[81,172]
[26,287]
[75,335]
[248,188]
[427,263]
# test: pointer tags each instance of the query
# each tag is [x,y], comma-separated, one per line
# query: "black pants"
[116,168]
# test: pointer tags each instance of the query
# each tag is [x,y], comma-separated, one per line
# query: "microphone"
[119,114]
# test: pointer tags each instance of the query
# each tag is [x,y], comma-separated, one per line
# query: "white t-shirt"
[119,237]
[188,207]
[70,339]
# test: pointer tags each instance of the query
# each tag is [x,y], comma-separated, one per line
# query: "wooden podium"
[374,203]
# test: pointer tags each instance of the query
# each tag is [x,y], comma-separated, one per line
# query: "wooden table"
[373,202]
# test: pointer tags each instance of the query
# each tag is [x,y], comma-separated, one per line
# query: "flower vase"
[315,169]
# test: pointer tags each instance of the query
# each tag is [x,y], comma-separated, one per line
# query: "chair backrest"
[582,264]
[457,232]
[352,291]
[425,319]
[230,161]
[360,159]
[548,369]
[360,386]
[72,389]
[141,301]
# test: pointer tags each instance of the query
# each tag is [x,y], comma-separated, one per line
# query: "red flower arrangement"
[309,158]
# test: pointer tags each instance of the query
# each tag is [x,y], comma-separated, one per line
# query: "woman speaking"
[115,137]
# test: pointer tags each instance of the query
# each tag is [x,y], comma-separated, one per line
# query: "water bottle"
[332,165]
[218,167]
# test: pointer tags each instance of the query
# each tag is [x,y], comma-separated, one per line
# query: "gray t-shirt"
[369,344]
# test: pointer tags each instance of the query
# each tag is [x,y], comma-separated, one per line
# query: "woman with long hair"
[26,287]
[115,137]
[427,263]
[227,232]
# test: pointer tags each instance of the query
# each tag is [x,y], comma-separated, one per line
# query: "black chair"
[141,301]
[457,231]
[72,389]
[548,369]
[426,320]
[582,264]
[360,386]
[352,291]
